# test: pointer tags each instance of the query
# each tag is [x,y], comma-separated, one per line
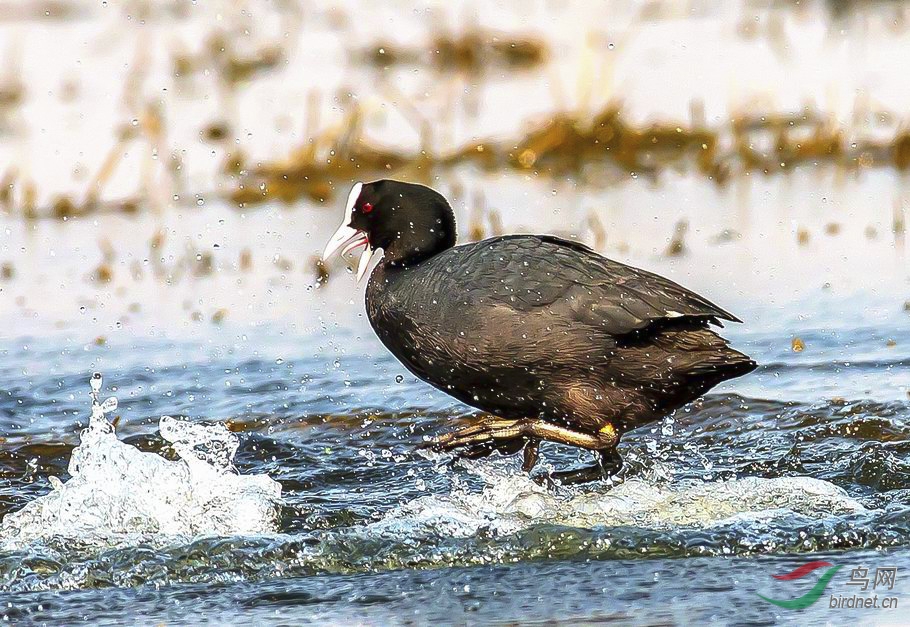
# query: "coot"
[551,339]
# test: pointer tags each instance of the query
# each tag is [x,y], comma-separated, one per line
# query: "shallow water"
[763,474]
[807,458]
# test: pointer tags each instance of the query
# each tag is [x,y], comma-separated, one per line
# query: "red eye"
[367,207]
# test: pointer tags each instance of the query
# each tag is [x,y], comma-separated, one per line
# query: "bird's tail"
[703,353]
[720,365]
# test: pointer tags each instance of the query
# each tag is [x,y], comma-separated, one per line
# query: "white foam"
[116,490]
[510,501]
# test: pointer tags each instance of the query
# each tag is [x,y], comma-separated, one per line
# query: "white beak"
[350,238]
[344,235]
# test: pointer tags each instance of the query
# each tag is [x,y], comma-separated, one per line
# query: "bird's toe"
[485,430]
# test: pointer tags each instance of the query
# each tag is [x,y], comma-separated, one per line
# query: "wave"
[118,493]
[510,501]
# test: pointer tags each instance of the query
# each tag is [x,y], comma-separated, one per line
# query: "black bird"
[553,340]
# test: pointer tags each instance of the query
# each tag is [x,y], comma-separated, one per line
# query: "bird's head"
[408,222]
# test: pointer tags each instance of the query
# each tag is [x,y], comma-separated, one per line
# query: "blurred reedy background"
[147,145]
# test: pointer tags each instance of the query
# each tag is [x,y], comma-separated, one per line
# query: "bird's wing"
[571,281]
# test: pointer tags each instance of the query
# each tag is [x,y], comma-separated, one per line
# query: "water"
[287,486]
[370,529]
[119,494]
[807,458]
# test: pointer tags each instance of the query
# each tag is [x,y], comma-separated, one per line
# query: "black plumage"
[555,341]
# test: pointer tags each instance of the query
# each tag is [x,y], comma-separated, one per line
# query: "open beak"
[348,238]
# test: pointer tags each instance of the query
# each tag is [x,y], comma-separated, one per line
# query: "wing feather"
[530,272]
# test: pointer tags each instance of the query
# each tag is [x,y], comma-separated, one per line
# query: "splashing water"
[510,501]
[117,490]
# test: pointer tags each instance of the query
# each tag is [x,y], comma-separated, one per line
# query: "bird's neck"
[401,254]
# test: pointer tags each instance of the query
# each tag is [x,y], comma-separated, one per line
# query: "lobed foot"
[484,431]
[510,436]
[474,441]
